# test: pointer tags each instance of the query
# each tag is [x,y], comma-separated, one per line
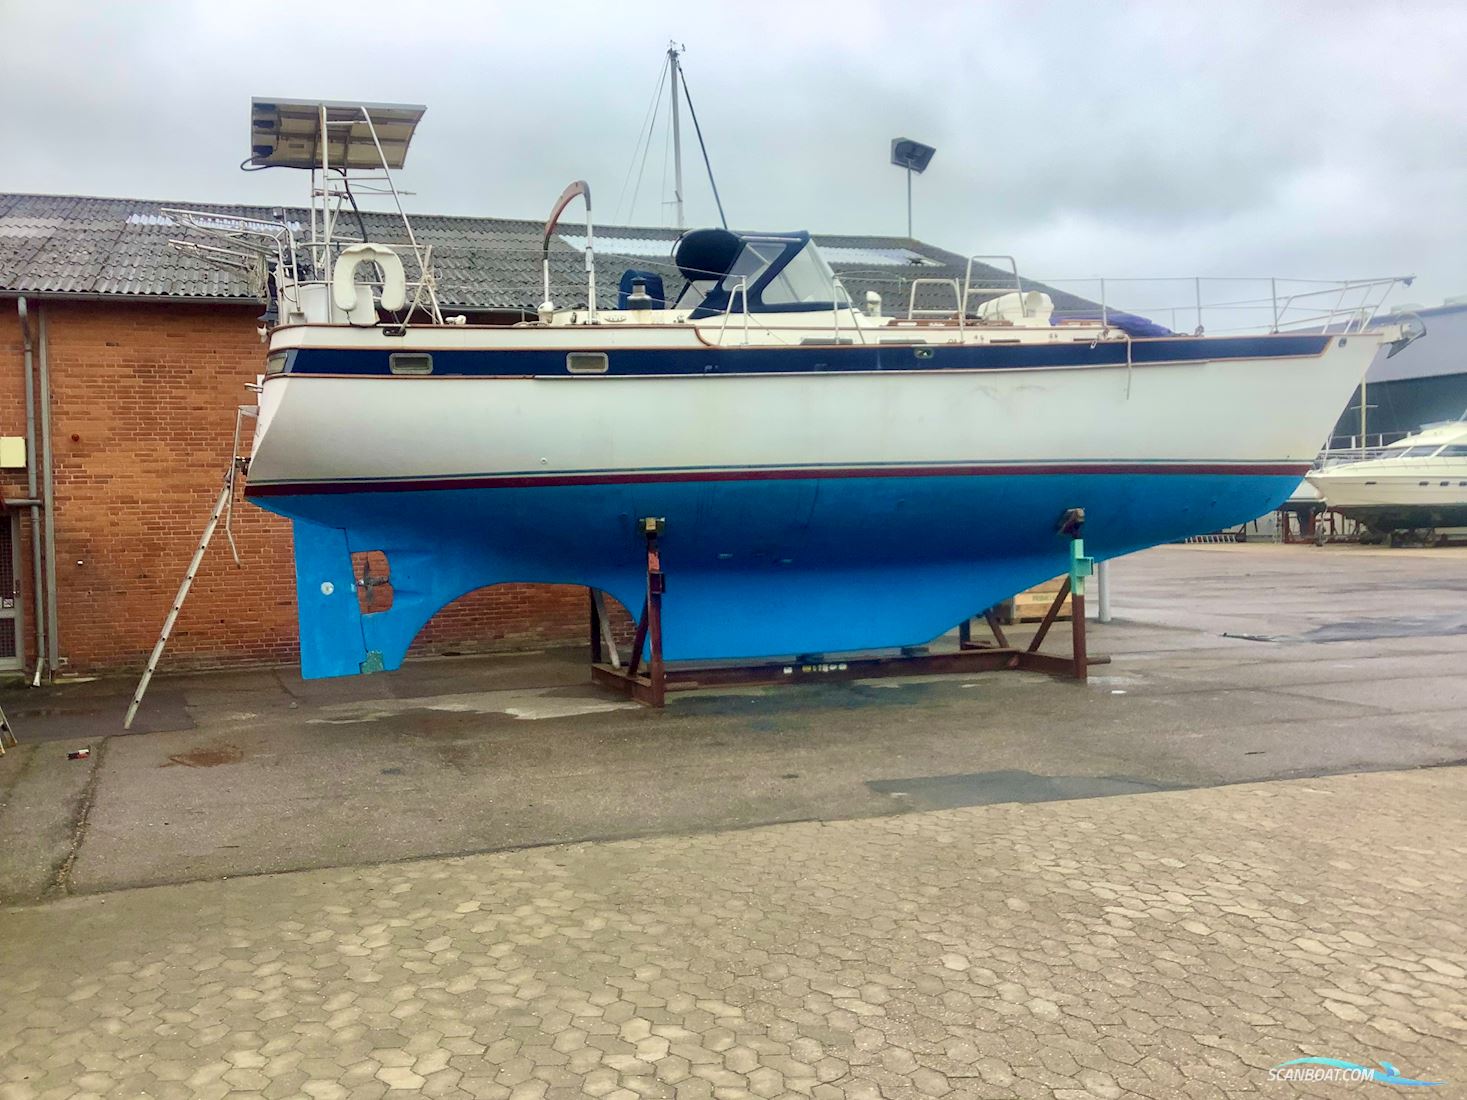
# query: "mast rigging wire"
[666,154]
[687,95]
[644,142]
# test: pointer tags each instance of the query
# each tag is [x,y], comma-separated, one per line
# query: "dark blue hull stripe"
[815,358]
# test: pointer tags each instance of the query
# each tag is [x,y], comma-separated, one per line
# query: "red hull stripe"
[526,481]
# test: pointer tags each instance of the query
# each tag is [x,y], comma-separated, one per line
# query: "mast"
[1364,382]
[677,143]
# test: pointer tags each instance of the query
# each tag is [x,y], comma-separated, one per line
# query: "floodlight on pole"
[914,157]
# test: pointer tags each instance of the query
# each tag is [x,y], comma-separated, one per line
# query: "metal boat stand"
[650,684]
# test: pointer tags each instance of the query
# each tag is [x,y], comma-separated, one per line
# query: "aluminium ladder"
[223,509]
[220,506]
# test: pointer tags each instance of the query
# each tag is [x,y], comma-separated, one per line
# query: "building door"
[10,654]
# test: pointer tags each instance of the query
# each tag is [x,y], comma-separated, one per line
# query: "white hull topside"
[338,428]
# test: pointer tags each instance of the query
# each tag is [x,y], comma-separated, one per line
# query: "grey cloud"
[1307,138]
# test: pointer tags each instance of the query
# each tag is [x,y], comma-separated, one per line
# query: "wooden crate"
[1032,605]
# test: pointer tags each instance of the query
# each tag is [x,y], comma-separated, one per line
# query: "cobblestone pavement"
[1160,945]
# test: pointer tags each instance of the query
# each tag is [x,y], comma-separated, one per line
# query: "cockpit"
[730,272]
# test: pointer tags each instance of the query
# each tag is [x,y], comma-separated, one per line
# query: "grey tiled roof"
[82,247]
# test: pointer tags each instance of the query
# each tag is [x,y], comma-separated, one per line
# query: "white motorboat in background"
[1418,484]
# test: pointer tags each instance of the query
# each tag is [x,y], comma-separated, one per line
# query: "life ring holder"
[345,291]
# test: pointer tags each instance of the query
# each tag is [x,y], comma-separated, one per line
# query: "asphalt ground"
[1231,664]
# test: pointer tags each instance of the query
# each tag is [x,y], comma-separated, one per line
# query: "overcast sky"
[1320,140]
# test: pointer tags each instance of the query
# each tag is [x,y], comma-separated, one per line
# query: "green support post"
[1080,568]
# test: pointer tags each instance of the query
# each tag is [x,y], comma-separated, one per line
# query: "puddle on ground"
[1369,630]
[527,704]
[947,792]
[565,708]
[1116,681]
[205,757]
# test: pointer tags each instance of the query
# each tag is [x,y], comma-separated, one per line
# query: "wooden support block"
[1031,605]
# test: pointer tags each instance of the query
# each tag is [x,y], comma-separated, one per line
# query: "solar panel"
[288,133]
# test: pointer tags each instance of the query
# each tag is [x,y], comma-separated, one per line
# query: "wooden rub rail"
[650,682]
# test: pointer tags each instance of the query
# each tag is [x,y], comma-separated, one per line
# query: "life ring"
[344,288]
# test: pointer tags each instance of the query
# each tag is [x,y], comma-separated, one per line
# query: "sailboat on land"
[825,478]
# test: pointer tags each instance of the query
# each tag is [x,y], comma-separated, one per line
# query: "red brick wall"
[143,400]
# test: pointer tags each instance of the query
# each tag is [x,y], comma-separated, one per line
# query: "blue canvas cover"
[1131,324]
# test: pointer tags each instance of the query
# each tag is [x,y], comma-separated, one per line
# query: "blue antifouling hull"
[755,568]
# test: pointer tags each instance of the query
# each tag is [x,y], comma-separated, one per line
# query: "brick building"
[139,353]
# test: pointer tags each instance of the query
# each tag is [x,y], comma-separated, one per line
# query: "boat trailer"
[648,680]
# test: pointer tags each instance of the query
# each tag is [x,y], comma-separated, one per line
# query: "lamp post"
[914,157]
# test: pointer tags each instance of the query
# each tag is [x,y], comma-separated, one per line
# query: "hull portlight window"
[586,362]
[410,363]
